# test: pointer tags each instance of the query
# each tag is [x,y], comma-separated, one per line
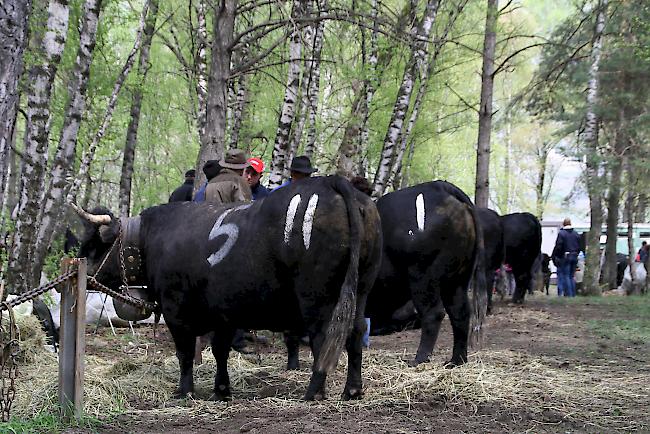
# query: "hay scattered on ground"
[550,391]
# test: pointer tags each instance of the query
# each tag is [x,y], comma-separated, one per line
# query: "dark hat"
[302,164]
[234,159]
[190,173]
[211,168]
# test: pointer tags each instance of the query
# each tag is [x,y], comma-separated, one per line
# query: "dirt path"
[544,367]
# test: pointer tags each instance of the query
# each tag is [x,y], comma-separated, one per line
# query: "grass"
[45,423]
[623,318]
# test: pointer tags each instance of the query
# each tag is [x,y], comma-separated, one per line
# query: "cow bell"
[132,313]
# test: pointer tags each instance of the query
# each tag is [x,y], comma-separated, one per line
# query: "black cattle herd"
[315,258]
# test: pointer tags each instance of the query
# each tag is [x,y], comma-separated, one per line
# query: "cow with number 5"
[303,258]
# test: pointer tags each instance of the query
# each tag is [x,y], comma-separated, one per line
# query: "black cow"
[432,252]
[494,248]
[546,272]
[303,258]
[523,240]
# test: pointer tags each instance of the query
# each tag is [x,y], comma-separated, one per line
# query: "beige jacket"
[228,187]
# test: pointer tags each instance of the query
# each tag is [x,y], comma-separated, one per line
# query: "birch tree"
[62,163]
[287,112]
[14,16]
[213,140]
[89,155]
[48,43]
[420,32]
[314,80]
[482,193]
[590,144]
[136,105]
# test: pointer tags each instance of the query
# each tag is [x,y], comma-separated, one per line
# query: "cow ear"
[107,233]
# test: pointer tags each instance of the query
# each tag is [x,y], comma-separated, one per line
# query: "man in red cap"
[253,174]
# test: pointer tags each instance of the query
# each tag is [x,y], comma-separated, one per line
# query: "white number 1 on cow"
[230,230]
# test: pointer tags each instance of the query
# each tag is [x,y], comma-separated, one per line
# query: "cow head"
[101,229]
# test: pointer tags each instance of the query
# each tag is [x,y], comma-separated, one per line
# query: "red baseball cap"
[257,164]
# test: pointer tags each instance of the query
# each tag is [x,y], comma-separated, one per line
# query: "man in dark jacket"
[253,175]
[211,169]
[184,192]
[565,257]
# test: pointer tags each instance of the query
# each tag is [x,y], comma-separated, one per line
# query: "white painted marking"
[309,220]
[230,230]
[291,215]
[419,208]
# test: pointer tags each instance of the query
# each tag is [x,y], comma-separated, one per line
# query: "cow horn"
[97,219]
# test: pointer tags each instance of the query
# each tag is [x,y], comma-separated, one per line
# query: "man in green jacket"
[230,186]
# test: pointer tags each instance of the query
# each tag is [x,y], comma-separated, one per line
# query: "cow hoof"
[320,396]
[221,394]
[417,361]
[352,394]
[450,364]
[178,394]
[293,367]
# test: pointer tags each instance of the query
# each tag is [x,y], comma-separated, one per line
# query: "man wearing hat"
[184,192]
[229,185]
[211,169]
[300,169]
[253,174]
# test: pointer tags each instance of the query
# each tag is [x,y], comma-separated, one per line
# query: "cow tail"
[477,285]
[344,312]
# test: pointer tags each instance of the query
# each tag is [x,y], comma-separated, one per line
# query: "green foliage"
[46,423]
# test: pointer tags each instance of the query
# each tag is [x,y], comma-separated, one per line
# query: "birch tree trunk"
[89,155]
[314,82]
[201,65]
[417,58]
[590,141]
[14,17]
[50,220]
[482,193]
[49,47]
[287,113]
[629,209]
[239,111]
[213,141]
[136,104]
[371,80]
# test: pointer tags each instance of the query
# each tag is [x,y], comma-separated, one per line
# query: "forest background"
[109,102]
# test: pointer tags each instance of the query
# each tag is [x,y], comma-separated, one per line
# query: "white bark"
[89,155]
[49,47]
[417,59]
[14,16]
[202,68]
[287,113]
[590,142]
[482,191]
[239,111]
[61,167]
[371,81]
[314,82]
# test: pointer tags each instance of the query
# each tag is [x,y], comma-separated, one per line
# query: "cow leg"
[520,290]
[292,341]
[221,343]
[489,279]
[354,385]
[457,306]
[431,315]
[185,343]
[316,389]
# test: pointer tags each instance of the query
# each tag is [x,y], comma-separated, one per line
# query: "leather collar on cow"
[130,256]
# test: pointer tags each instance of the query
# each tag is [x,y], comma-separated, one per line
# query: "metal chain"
[125,298]
[33,293]
[9,349]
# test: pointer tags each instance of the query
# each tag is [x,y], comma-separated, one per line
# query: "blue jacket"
[259,191]
[200,193]
[567,241]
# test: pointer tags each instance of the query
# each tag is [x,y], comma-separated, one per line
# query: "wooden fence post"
[73,340]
